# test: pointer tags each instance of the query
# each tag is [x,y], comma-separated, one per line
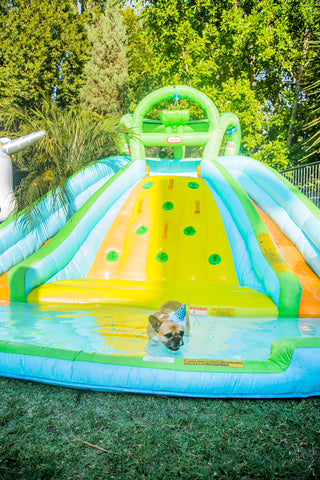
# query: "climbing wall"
[170,229]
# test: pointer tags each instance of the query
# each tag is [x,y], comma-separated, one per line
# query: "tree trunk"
[297,90]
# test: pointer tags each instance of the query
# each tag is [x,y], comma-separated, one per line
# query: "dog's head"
[168,332]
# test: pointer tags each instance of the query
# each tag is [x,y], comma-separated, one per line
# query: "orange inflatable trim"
[310,301]
[4,290]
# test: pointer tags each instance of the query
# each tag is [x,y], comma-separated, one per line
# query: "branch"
[95,446]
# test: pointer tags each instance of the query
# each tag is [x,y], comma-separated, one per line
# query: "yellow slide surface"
[167,243]
[170,230]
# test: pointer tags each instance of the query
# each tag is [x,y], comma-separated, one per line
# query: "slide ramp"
[141,240]
[22,235]
[292,220]
[168,241]
[310,299]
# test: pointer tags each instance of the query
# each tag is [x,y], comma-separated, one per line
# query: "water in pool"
[123,331]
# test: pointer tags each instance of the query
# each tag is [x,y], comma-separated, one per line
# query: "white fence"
[307,179]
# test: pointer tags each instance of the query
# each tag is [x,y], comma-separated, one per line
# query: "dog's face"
[165,331]
[169,323]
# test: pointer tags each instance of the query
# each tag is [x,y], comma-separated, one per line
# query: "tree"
[139,54]
[75,138]
[90,8]
[43,51]
[106,72]
[313,90]
[259,48]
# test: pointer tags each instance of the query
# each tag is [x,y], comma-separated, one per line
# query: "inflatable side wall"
[54,256]
[296,216]
[17,242]
[279,281]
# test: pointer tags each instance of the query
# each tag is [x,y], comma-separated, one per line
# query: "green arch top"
[176,130]
[167,93]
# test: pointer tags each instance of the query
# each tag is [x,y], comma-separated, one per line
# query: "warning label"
[198,310]
[209,362]
[158,359]
[223,312]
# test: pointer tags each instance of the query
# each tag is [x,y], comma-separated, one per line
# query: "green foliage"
[139,56]
[257,59]
[106,72]
[260,48]
[90,8]
[75,138]
[313,89]
[43,50]
[239,97]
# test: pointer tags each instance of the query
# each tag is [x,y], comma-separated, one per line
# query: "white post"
[7,200]
[9,147]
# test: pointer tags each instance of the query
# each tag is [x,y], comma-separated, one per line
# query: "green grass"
[44,430]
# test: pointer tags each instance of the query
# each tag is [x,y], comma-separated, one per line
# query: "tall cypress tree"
[105,90]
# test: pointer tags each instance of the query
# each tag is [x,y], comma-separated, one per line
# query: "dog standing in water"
[169,324]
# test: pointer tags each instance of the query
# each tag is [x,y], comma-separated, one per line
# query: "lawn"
[58,433]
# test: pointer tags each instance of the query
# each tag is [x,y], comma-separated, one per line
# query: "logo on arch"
[174,139]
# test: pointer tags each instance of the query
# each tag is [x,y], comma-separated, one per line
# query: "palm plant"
[75,138]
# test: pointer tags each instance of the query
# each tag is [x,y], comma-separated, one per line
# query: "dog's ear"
[155,322]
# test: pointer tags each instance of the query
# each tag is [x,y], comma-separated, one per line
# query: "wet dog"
[169,324]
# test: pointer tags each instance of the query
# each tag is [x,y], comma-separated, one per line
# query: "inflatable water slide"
[182,229]
[222,232]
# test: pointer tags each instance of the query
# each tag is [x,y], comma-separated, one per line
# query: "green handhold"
[141,230]
[162,257]
[112,256]
[168,206]
[189,231]
[147,185]
[193,185]
[215,259]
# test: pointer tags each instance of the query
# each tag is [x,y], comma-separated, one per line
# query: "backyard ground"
[50,432]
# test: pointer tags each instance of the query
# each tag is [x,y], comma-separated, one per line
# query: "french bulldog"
[169,324]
